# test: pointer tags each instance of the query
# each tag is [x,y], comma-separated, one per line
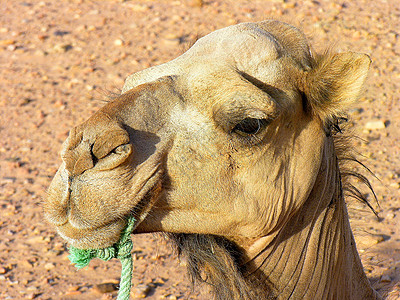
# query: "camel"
[234,150]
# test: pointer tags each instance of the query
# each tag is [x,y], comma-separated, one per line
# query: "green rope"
[120,250]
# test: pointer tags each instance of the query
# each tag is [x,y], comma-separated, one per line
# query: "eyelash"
[250,126]
[250,138]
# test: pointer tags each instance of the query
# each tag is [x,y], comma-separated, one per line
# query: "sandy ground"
[60,59]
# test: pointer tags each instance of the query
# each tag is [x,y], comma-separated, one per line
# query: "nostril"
[115,158]
[94,158]
[88,145]
[123,149]
[109,141]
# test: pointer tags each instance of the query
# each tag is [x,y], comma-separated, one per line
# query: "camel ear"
[335,82]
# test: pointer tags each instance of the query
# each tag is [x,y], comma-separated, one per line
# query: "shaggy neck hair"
[218,262]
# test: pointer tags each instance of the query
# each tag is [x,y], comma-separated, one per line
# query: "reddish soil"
[59,61]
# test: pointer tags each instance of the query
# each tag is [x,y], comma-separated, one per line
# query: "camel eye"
[249,126]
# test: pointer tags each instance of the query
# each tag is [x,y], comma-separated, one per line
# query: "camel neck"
[314,256]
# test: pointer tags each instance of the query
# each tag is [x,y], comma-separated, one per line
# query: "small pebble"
[196,3]
[118,42]
[73,288]
[11,47]
[31,295]
[373,125]
[7,42]
[139,7]
[72,293]
[142,290]
[49,266]
[106,287]
[60,48]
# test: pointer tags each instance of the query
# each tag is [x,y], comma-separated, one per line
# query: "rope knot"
[125,250]
[120,250]
[106,253]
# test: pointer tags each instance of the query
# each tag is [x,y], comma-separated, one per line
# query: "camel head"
[229,140]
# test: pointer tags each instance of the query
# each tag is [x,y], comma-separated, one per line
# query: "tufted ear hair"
[334,82]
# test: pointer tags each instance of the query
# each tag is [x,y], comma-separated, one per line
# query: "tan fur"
[229,149]
[335,82]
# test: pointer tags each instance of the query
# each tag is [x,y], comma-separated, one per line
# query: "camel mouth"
[90,238]
[106,234]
